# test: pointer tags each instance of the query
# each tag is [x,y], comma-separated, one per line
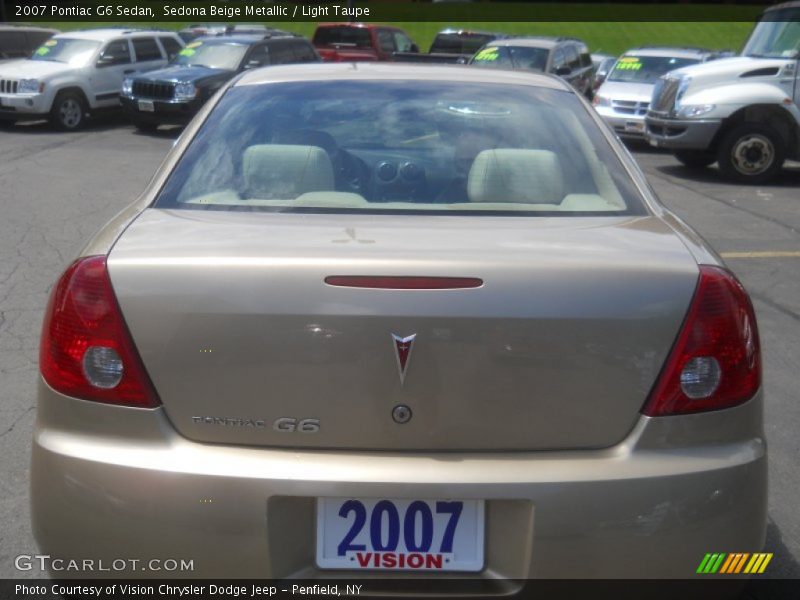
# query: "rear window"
[146,49]
[171,46]
[348,36]
[401,146]
[646,69]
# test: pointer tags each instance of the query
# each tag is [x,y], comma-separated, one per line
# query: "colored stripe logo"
[734,563]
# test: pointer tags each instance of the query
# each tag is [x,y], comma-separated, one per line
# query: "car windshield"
[73,51]
[348,36]
[512,57]
[779,37]
[646,69]
[401,146]
[215,55]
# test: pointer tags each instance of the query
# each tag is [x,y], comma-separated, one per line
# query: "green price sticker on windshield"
[188,52]
[42,51]
[628,63]
[487,54]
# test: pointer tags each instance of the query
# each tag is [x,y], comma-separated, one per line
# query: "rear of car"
[175,94]
[624,98]
[385,318]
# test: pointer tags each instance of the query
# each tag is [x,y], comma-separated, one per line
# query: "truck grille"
[629,107]
[664,94]
[8,86]
[157,90]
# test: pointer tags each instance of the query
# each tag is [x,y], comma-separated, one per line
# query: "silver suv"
[75,73]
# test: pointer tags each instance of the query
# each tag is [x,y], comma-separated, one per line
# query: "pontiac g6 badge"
[403,347]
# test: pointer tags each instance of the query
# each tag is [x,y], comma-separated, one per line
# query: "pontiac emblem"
[403,347]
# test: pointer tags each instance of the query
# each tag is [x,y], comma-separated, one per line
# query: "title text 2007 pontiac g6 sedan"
[399,318]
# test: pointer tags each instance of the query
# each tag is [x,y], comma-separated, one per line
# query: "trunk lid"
[557,350]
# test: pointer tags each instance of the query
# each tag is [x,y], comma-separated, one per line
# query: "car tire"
[695,159]
[751,153]
[68,112]
[145,127]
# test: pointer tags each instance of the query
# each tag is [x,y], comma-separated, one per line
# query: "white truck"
[76,73]
[741,112]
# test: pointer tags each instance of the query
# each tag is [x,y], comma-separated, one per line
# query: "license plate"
[653,143]
[637,126]
[146,106]
[400,535]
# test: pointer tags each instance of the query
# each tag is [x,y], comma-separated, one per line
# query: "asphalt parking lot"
[56,189]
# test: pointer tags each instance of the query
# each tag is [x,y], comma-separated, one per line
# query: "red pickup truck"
[361,41]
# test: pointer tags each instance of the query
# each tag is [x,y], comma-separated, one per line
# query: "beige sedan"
[386,318]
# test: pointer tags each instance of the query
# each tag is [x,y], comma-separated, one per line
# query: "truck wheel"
[695,159]
[68,112]
[751,153]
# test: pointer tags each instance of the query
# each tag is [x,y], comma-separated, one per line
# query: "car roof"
[383,71]
[672,52]
[356,25]
[457,31]
[534,41]
[101,35]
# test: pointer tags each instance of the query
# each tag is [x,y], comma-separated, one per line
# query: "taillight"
[86,351]
[716,360]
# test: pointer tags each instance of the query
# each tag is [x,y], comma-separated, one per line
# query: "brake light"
[716,360]
[86,350]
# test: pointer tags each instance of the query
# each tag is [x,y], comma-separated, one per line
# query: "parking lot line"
[768,254]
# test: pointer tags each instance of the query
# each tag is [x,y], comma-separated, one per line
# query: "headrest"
[516,175]
[285,171]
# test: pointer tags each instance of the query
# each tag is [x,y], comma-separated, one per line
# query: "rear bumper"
[111,483]
[694,134]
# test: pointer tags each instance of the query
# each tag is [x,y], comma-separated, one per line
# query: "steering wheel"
[351,173]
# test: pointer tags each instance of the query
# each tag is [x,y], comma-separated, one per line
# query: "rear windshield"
[401,146]
[647,69]
[347,36]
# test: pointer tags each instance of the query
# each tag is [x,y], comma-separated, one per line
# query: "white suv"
[75,73]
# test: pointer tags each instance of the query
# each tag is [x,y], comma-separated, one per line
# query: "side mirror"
[563,71]
[252,64]
[413,48]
